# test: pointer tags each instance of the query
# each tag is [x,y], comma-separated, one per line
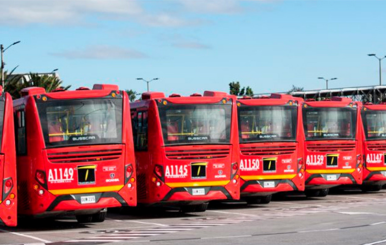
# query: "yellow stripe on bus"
[264,177]
[86,190]
[196,184]
[331,171]
[87,167]
[376,168]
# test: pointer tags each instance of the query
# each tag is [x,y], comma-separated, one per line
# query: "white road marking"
[23,235]
[379,223]
[147,223]
[94,241]
[225,237]
[377,242]
[360,213]
[222,212]
[332,229]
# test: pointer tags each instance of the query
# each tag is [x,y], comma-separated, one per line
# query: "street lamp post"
[380,67]
[2,50]
[334,78]
[147,82]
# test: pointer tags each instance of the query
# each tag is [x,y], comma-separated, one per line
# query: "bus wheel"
[194,208]
[84,218]
[266,199]
[202,207]
[312,193]
[253,200]
[323,192]
[99,217]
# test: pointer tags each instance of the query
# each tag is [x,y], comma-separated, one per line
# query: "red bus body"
[271,140]
[333,143]
[74,152]
[174,164]
[8,183]
[374,146]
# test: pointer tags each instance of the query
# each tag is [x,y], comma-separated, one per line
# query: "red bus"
[186,149]
[271,139]
[74,152]
[333,144]
[8,183]
[374,146]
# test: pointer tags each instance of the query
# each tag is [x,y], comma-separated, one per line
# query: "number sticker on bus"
[315,160]
[176,171]
[249,164]
[60,175]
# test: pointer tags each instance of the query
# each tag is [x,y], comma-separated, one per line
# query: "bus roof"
[273,99]
[99,90]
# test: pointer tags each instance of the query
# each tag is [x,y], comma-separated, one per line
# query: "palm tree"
[18,82]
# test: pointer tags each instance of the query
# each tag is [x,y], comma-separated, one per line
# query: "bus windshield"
[196,124]
[267,123]
[329,123]
[81,121]
[374,123]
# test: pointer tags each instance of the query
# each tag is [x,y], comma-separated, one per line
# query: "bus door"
[8,185]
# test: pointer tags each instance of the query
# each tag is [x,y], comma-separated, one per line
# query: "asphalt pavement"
[349,217]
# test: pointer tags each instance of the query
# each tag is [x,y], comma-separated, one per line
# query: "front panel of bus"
[269,149]
[8,180]
[194,157]
[82,164]
[332,151]
[374,124]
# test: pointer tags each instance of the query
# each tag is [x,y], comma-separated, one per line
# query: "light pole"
[2,50]
[334,78]
[147,82]
[380,67]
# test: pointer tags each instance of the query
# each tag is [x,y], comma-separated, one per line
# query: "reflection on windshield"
[331,123]
[375,124]
[192,124]
[272,123]
[81,121]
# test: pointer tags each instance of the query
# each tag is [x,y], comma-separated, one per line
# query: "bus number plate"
[198,191]
[87,199]
[332,177]
[269,184]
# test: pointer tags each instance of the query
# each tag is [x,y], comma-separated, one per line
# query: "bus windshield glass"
[81,121]
[374,123]
[267,123]
[329,123]
[196,124]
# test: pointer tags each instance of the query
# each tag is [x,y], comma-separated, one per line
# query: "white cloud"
[21,12]
[102,53]
[53,12]
[217,6]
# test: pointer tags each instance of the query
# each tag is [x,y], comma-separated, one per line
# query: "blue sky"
[197,45]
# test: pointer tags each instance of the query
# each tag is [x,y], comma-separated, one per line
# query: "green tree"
[234,88]
[295,89]
[132,94]
[15,84]
[249,91]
